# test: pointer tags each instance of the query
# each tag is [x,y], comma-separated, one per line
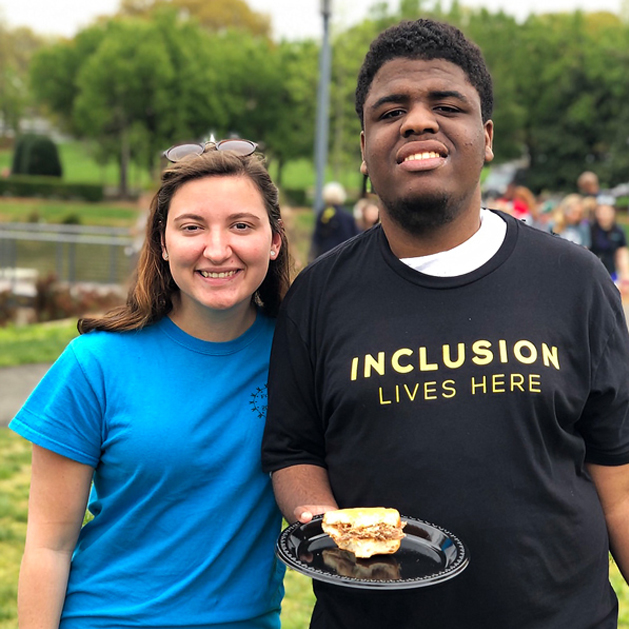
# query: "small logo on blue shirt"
[258,401]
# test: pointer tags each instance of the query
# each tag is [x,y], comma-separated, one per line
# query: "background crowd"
[586,217]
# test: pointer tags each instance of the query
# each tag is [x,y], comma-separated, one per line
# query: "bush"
[7,307]
[49,187]
[55,301]
[296,197]
[36,155]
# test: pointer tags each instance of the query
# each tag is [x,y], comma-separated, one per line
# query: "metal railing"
[70,253]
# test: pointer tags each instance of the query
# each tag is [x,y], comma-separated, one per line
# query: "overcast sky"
[291,19]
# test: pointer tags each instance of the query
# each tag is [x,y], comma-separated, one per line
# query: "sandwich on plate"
[365,531]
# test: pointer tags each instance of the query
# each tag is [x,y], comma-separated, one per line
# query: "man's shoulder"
[533,237]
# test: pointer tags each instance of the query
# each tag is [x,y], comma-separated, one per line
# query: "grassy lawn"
[105,214]
[41,343]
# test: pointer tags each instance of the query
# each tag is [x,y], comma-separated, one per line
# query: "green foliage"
[36,155]
[17,47]
[289,134]
[155,75]
[215,16]
[133,85]
[49,187]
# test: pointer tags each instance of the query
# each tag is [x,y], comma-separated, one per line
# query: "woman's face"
[574,212]
[605,216]
[218,243]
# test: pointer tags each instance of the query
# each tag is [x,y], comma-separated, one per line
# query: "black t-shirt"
[472,402]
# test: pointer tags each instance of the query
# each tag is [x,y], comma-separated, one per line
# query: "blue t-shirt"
[184,520]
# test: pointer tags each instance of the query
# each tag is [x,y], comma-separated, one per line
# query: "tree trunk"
[124,159]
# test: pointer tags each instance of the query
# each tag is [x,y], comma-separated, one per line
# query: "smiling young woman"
[160,405]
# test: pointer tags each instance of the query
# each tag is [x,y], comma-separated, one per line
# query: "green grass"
[80,166]
[40,343]
[33,210]
[14,482]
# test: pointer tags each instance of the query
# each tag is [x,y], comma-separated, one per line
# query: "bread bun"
[365,531]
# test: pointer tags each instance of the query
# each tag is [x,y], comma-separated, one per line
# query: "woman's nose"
[217,247]
[418,120]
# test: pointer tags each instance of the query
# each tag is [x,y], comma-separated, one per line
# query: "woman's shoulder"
[109,345]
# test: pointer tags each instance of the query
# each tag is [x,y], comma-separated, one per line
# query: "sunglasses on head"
[241,147]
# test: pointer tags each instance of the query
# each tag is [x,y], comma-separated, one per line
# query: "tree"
[17,47]
[291,135]
[213,15]
[133,85]
[566,80]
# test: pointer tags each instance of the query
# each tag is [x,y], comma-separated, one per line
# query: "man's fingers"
[305,513]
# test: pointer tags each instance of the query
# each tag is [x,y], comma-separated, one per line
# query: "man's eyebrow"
[434,95]
[449,94]
[390,98]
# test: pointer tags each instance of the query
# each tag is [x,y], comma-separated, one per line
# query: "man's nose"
[418,120]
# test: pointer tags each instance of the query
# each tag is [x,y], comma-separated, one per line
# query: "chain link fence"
[69,253]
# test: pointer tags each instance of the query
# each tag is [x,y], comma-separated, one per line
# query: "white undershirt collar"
[469,255]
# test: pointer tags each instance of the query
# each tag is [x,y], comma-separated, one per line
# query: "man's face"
[424,142]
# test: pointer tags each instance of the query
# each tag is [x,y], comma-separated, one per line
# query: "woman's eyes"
[194,228]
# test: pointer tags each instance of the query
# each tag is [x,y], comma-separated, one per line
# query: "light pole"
[323,101]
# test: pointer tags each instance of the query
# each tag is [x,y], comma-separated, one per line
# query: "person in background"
[334,224]
[367,212]
[609,243]
[569,220]
[515,201]
[161,404]
[588,184]
[457,365]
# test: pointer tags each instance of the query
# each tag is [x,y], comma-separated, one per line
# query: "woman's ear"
[276,245]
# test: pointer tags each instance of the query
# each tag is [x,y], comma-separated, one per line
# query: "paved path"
[16,383]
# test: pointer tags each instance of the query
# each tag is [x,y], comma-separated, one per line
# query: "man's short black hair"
[426,39]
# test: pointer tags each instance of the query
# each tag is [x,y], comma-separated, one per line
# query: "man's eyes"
[440,108]
[447,109]
[394,113]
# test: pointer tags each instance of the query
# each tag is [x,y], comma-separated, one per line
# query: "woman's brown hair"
[151,295]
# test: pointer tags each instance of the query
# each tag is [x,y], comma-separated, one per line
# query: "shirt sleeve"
[63,413]
[293,433]
[604,422]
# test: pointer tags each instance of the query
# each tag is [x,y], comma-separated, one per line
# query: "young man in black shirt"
[457,365]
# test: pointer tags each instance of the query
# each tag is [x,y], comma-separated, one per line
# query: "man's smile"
[420,156]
